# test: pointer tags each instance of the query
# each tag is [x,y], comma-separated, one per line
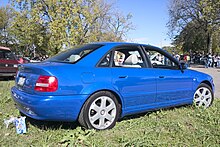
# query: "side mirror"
[182,66]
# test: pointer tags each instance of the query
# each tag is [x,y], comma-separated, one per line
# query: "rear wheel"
[203,96]
[101,111]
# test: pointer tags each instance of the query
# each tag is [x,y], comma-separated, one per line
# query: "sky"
[149,19]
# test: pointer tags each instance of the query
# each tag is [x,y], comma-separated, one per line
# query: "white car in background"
[31,60]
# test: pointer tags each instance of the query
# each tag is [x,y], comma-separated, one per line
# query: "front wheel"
[100,111]
[203,96]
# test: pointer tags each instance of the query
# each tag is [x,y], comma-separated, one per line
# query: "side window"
[127,58]
[159,60]
[105,61]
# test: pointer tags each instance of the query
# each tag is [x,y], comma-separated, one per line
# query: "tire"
[203,97]
[101,111]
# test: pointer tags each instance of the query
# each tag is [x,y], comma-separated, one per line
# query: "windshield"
[6,54]
[75,54]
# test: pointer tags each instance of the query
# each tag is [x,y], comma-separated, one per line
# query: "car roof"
[4,48]
[127,43]
[117,43]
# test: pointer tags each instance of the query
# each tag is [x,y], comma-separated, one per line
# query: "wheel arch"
[117,95]
[208,83]
[113,92]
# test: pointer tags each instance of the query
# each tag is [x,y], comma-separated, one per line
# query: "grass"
[183,126]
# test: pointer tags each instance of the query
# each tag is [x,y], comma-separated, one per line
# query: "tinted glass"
[159,60]
[75,54]
[105,61]
[128,57]
[7,55]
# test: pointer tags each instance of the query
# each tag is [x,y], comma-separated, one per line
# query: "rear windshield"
[6,55]
[75,54]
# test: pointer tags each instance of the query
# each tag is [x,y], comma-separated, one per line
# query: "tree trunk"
[209,42]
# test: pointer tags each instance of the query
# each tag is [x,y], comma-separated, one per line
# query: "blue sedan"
[98,83]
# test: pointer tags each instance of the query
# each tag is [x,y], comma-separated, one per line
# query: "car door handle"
[123,77]
[161,77]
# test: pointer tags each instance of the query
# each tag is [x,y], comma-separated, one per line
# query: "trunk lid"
[28,74]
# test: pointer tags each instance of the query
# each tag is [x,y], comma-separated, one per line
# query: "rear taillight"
[46,84]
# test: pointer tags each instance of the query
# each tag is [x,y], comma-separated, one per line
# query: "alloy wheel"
[102,112]
[203,97]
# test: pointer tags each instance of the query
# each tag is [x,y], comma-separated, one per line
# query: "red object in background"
[8,63]
[185,57]
[21,60]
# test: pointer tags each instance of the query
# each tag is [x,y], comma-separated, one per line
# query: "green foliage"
[48,26]
[183,126]
[5,100]
[6,16]
[77,137]
[171,49]
[195,24]
[29,34]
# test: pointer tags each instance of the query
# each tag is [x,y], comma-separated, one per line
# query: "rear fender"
[95,87]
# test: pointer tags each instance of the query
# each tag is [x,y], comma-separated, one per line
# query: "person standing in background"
[209,60]
[218,60]
[206,58]
[215,60]
[188,60]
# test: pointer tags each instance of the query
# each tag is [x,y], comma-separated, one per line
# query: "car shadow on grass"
[135,116]
[51,125]
[56,125]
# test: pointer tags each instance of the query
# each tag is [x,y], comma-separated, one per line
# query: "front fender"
[199,78]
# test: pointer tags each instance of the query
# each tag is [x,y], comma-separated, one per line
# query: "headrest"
[131,60]
[74,58]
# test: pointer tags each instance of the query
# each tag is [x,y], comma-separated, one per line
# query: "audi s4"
[98,83]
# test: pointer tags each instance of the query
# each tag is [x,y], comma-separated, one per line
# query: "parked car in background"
[8,63]
[96,84]
[35,59]
[31,60]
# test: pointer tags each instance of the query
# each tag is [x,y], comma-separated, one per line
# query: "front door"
[135,82]
[173,85]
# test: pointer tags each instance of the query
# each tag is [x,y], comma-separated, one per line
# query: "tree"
[216,42]
[6,17]
[192,40]
[195,18]
[50,25]
[119,25]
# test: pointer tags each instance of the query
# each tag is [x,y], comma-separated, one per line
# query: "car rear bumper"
[54,108]
[7,74]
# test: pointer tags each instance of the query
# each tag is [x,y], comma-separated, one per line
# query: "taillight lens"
[46,84]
